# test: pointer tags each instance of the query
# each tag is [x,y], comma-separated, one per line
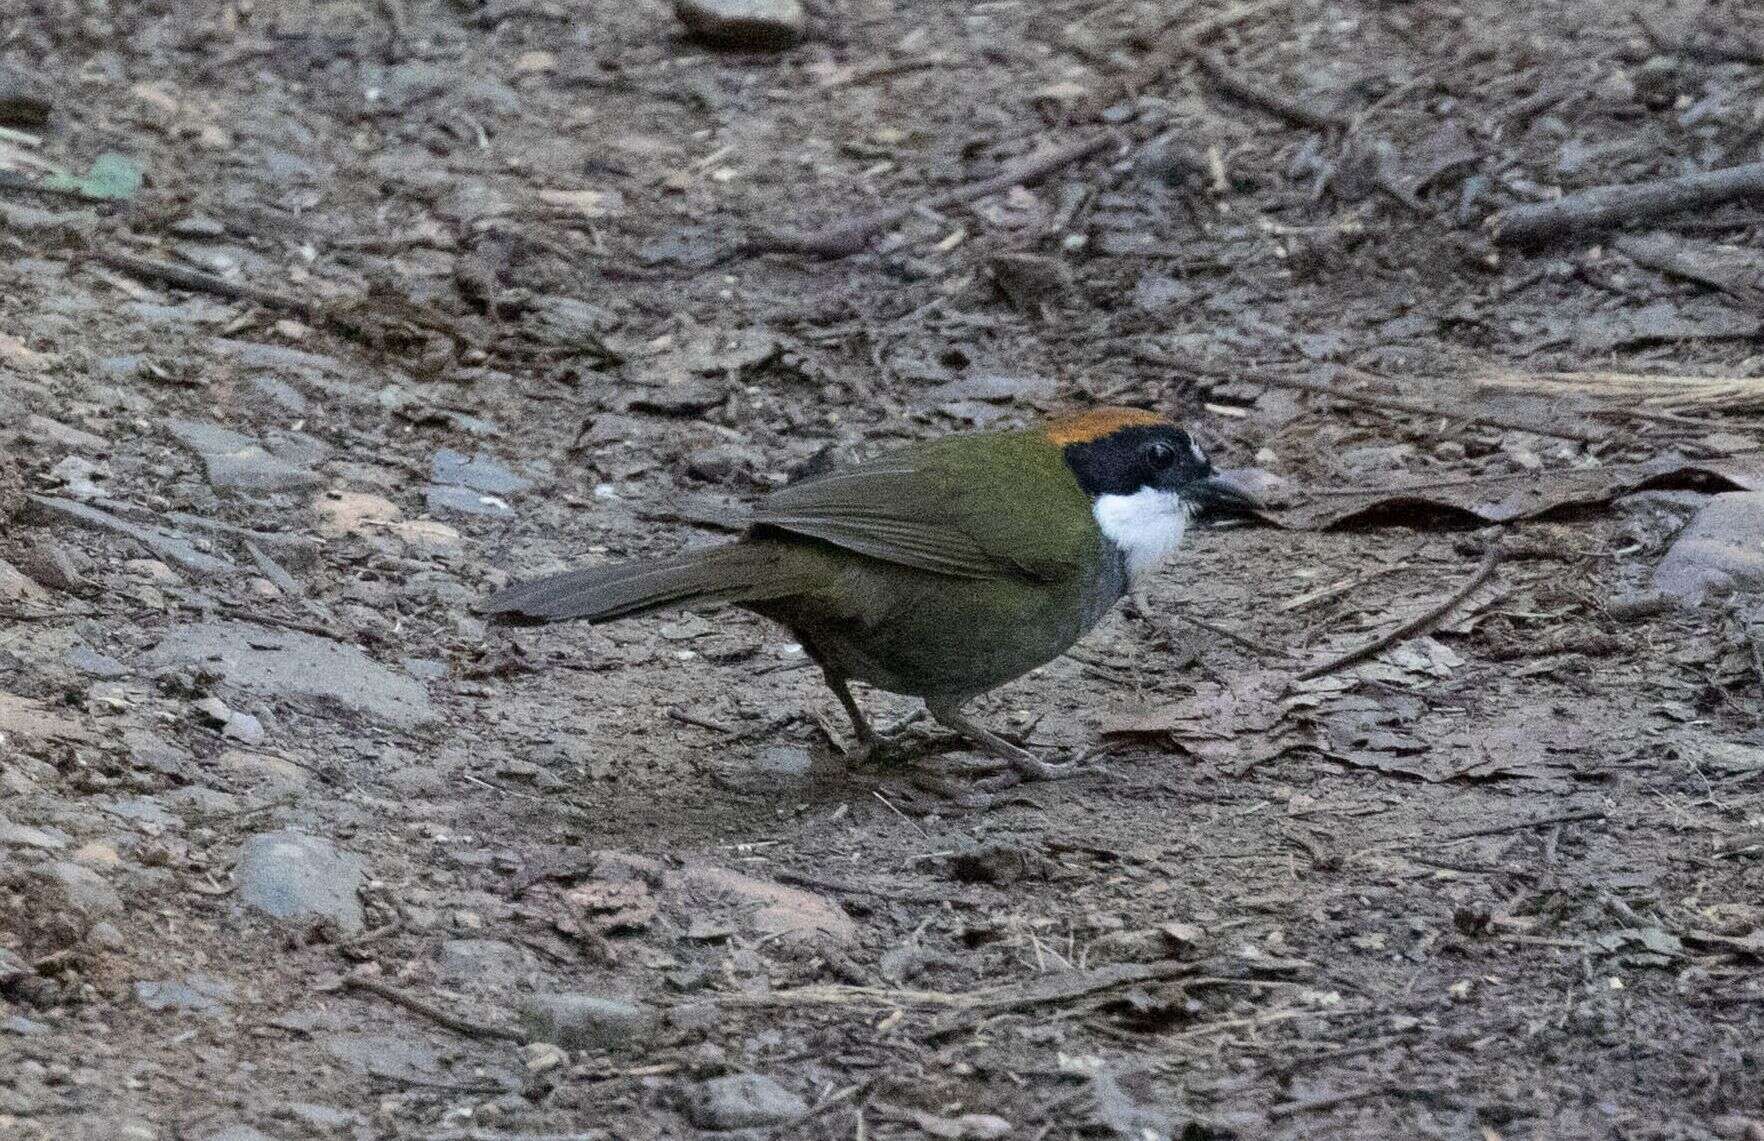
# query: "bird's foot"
[896,744]
[974,782]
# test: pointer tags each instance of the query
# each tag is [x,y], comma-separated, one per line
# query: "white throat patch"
[1146,525]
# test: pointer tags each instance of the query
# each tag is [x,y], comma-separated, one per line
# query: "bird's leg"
[1029,766]
[872,745]
[860,725]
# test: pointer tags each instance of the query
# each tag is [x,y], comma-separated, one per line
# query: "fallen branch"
[847,238]
[433,1013]
[1606,206]
[1414,626]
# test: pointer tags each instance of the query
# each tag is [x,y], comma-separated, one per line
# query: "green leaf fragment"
[112,177]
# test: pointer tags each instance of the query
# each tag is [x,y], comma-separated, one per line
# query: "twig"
[1414,626]
[433,1013]
[1276,104]
[179,277]
[845,887]
[246,614]
[1170,43]
[1326,1101]
[334,316]
[831,1101]
[847,238]
[685,718]
[11,615]
[1605,206]
[1045,990]
[1422,408]
[1232,636]
[1659,252]
[1522,825]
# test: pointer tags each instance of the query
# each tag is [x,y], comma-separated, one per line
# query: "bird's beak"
[1221,494]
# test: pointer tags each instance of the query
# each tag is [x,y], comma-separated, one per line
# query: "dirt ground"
[292,845]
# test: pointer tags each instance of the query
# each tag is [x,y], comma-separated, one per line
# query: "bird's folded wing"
[901,514]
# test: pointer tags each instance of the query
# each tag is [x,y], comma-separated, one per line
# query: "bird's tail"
[735,572]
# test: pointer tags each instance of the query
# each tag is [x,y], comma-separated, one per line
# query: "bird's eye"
[1159,455]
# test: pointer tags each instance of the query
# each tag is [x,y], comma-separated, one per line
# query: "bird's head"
[1146,478]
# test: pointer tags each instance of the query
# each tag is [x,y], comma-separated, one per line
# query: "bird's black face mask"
[1160,457]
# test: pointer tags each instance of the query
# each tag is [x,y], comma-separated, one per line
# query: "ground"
[290,842]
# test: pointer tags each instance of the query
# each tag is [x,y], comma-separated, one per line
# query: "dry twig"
[1414,626]
[1280,106]
[433,1013]
[847,238]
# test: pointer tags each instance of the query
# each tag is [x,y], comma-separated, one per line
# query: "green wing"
[935,508]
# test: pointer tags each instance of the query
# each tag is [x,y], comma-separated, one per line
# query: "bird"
[940,570]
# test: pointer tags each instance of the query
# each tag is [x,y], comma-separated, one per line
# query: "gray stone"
[24,836]
[320,675]
[122,368]
[237,1132]
[213,710]
[254,470]
[993,389]
[255,355]
[148,810]
[1721,550]
[78,478]
[173,548]
[107,935]
[22,1026]
[294,876]
[93,664]
[414,82]
[425,669]
[776,770]
[580,1021]
[446,497]
[721,463]
[66,436]
[742,1101]
[69,885]
[240,463]
[203,438]
[150,752]
[244,728]
[282,393]
[202,800]
[385,1055]
[12,968]
[568,319]
[486,95]
[323,1118]
[477,959]
[194,994]
[480,473]
[52,565]
[770,24]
